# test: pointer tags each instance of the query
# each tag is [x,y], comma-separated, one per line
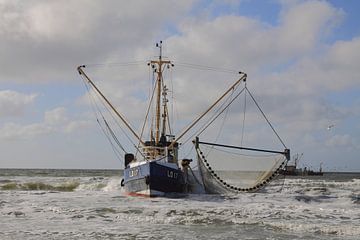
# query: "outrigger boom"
[286,152]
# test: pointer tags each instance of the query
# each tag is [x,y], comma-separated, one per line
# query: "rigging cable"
[114,136]
[223,122]
[166,106]
[114,64]
[265,117]
[172,98]
[214,116]
[152,120]
[223,109]
[146,116]
[93,106]
[115,150]
[111,114]
[206,68]
[115,119]
[243,125]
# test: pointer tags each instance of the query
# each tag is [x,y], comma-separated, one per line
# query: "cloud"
[303,25]
[14,103]
[78,125]
[44,41]
[13,131]
[251,44]
[341,141]
[56,116]
[56,121]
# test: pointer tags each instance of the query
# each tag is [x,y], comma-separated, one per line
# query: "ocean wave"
[63,185]
[40,186]
[311,228]
[285,222]
[100,184]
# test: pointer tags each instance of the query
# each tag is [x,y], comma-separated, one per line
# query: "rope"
[206,68]
[111,114]
[237,95]
[265,117]
[115,120]
[243,125]
[114,64]
[116,152]
[172,99]
[216,114]
[222,124]
[93,106]
[146,116]
[114,136]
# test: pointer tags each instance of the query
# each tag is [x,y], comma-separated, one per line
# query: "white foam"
[113,185]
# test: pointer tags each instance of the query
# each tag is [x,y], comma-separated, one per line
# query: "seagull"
[330,127]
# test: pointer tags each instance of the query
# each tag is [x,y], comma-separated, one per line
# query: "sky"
[302,60]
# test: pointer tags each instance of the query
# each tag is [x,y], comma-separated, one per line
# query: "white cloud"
[77,125]
[56,116]
[341,141]
[14,103]
[44,41]
[12,131]
[55,121]
[304,24]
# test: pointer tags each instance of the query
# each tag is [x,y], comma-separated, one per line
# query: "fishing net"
[227,169]
[225,164]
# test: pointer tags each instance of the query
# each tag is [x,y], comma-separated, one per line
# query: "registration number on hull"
[172,174]
[133,172]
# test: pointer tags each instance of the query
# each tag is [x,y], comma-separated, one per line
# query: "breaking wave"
[91,184]
[40,186]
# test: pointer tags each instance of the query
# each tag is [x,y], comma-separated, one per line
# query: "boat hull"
[152,179]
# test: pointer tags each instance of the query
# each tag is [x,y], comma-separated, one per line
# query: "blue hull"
[153,179]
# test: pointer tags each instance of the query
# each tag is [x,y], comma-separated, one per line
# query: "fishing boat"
[293,170]
[155,169]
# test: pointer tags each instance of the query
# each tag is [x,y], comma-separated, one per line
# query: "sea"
[90,204]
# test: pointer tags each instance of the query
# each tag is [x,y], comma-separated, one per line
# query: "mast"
[160,92]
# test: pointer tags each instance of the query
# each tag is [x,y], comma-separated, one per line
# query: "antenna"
[158,68]
[159,45]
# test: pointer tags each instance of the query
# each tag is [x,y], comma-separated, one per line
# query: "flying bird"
[330,127]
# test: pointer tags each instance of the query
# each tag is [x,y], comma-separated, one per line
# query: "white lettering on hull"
[172,174]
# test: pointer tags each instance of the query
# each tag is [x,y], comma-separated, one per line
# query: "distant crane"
[297,158]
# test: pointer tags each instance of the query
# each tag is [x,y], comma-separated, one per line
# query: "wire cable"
[267,120]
